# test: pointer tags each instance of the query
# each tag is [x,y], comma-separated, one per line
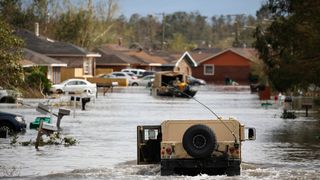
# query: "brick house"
[233,63]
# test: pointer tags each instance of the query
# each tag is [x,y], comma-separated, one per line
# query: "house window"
[87,67]
[208,69]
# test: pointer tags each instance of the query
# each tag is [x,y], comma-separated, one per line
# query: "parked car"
[7,96]
[138,72]
[106,76]
[130,79]
[144,81]
[13,123]
[133,75]
[148,73]
[195,81]
[75,86]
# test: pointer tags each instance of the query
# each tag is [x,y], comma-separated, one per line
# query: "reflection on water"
[298,141]
[284,149]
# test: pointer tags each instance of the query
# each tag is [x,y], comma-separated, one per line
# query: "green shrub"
[36,78]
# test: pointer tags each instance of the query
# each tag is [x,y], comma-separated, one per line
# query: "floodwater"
[106,131]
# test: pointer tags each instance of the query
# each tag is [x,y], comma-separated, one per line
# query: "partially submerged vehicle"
[169,83]
[191,147]
[11,123]
[8,96]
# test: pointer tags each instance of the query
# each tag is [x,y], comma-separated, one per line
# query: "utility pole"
[163,30]
[236,43]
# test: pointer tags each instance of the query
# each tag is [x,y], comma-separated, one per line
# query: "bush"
[36,79]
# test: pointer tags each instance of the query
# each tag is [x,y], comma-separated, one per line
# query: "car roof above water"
[8,114]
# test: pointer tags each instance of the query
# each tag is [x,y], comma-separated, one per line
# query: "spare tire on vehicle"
[199,141]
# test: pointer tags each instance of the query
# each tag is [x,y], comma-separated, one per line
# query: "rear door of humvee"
[148,144]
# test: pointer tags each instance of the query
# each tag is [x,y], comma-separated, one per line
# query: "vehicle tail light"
[169,150]
[234,150]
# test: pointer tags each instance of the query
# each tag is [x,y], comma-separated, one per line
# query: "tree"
[291,41]
[11,72]
[178,43]
[12,12]
[36,79]
[86,25]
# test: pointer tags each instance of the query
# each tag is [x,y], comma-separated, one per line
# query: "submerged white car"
[144,81]
[75,86]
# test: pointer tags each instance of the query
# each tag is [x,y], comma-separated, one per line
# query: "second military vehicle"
[191,147]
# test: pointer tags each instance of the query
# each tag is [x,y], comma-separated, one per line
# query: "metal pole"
[163,29]
[74,106]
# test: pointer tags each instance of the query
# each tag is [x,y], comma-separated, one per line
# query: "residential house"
[117,57]
[80,63]
[180,63]
[233,64]
[31,59]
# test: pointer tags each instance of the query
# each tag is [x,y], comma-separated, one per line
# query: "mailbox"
[64,112]
[49,127]
[43,109]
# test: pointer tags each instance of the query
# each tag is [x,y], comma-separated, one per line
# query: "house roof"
[110,56]
[247,53]
[50,47]
[118,55]
[31,58]
[188,59]
[169,59]
[199,54]
[147,58]
[250,53]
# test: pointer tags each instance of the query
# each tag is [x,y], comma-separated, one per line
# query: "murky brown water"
[284,149]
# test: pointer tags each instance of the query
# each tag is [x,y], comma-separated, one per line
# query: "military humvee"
[163,85]
[191,147]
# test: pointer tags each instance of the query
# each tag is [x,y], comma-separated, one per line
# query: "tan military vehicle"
[169,83]
[190,147]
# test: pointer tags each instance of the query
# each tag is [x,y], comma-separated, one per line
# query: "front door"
[148,144]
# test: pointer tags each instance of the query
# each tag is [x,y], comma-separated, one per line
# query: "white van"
[138,72]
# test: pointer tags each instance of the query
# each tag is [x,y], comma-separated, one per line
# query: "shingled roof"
[31,58]
[111,56]
[118,55]
[199,54]
[50,47]
[248,53]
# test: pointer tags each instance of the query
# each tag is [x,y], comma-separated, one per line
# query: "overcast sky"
[207,8]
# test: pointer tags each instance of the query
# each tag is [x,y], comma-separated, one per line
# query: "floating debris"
[36,123]
[288,115]
[54,139]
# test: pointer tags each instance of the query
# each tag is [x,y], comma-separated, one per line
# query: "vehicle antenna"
[219,118]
